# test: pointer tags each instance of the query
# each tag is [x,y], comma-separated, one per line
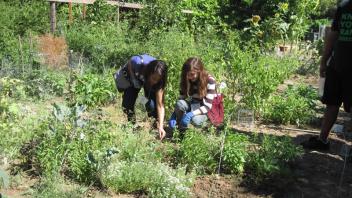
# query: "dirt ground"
[316,174]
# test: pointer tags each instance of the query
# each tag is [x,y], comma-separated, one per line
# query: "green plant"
[91,89]
[154,179]
[271,155]
[295,106]
[43,84]
[235,152]
[12,88]
[73,145]
[105,45]
[100,12]
[56,187]
[138,147]
[200,152]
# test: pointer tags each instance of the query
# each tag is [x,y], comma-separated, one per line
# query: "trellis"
[119,5]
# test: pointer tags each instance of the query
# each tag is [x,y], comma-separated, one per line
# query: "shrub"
[44,84]
[235,152]
[105,45]
[139,146]
[12,88]
[91,89]
[70,144]
[295,106]
[154,179]
[271,155]
[56,187]
[200,152]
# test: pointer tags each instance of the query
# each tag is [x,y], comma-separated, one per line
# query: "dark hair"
[157,67]
[196,64]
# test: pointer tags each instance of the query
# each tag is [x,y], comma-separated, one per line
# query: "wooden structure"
[117,3]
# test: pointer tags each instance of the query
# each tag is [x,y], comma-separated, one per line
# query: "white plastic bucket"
[321,86]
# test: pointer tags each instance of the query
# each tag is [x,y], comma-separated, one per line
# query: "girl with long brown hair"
[151,74]
[197,91]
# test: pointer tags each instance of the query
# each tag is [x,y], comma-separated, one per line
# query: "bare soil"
[316,174]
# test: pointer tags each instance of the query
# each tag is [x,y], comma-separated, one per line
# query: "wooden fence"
[119,5]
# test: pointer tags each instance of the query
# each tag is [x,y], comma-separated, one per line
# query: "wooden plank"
[126,5]
[73,1]
[117,3]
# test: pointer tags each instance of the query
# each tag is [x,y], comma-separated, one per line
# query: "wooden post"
[30,50]
[52,17]
[70,18]
[21,53]
[118,14]
[84,11]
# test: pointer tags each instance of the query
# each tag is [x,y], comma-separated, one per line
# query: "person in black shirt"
[336,67]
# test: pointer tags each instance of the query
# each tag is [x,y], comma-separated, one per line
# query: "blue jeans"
[182,107]
[129,100]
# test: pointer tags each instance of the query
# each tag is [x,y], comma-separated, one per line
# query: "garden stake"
[343,170]
[221,150]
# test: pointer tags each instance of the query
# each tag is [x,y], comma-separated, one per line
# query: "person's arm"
[161,112]
[208,99]
[330,40]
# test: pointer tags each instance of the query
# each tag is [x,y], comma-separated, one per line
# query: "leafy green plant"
[200,152]
[100,12]
[91,89]
[235,152]
[70,143]
[12,88]
[295,106]
[255,76]
[44,84]
[105,45]
[271,155]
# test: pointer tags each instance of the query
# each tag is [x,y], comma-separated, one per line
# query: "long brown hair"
[157,67]
[196,64]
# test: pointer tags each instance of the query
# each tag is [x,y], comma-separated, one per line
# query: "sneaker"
[315,143]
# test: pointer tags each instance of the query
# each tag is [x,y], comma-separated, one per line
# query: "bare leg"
[330,117]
